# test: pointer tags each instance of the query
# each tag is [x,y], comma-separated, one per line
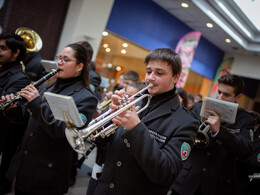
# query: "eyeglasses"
[64,60]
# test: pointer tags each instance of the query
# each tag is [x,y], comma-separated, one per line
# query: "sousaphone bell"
[31,39]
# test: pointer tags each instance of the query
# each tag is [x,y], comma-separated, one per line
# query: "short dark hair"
[234,81]
[81,56]
[92,66]
[137,85]
[166,55]
[131,75]
[14,42]
[256,115]
[183,93]
[88,47]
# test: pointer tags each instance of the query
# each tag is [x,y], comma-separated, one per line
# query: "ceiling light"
[109,65]
[104,33]
[123,51]
[227,40]
[185,5]
[108,49]
[125,45]
[225,28]
[234,19]
[105,45]
[209,25]
[118,68]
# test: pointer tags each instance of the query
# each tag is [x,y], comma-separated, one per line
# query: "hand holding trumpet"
[127,119]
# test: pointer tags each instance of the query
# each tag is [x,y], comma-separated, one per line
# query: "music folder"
[64,108]
[227,111]
[49,65]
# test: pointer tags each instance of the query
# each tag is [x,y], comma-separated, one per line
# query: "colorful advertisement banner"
[223,69]
[186,49]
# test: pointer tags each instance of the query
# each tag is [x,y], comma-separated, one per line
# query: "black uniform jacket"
[147,158]
[213,168]
[43,163]
[12,80]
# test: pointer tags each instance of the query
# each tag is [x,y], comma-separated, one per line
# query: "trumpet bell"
[75,140]
[31,39]
[202,138]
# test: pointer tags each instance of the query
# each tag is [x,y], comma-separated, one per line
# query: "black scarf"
[63,83]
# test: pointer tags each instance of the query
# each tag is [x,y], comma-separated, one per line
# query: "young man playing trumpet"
[147,152]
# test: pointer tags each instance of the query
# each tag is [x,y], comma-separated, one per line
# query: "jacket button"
[125,141]
[119,163]
[111,185]
[31,134]
[128,145]
[50,165]
[25,152]
[208,153]
[204,169]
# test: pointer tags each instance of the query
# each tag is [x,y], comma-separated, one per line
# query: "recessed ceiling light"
[109,65]
[123,51]
[108,49]
[118,68]
[227,40]
[185,5]
[105,45]
[209,25]
[104,33]
[125,45]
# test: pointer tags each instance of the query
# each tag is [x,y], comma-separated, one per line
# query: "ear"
[16,54]
[176,78]
[238,96]
[79,67]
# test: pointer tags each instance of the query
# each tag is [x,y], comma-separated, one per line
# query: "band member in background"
[13,123]
[252,164]
[43,163]
[147,152]
[134,87]
[214,169]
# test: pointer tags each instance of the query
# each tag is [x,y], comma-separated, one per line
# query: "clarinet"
[36,84]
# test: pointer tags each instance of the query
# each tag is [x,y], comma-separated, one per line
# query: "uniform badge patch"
[258,157]
[251,134]
[185,150]
[83,118]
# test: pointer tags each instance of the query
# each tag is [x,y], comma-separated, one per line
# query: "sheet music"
[64,108]
[227,111]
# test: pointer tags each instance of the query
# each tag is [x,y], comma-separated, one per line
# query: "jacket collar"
[164,109]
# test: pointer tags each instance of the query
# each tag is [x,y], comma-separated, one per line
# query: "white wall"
[246,66]
[85,21]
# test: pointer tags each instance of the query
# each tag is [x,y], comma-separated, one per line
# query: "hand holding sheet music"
[227,111]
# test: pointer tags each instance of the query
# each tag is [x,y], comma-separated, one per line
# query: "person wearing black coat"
[33,67]
[42,165]
[214,169]
[147,152]
[13,122]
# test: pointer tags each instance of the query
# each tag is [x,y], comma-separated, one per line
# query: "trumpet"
[77,138]
[17,96]
[202,138]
